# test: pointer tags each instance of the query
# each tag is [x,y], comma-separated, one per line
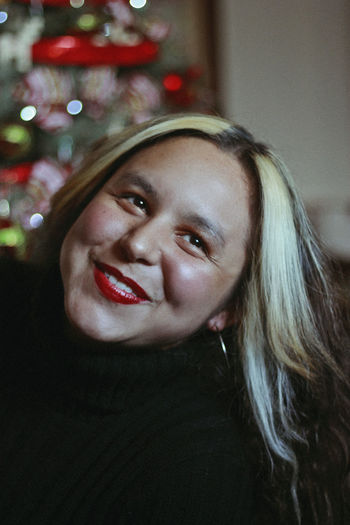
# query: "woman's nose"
[144,243]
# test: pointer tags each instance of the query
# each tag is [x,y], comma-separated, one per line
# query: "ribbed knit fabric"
[102,438]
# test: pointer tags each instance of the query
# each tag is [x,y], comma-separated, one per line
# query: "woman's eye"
[195,241]
[137,201]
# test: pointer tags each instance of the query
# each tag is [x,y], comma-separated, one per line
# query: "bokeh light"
[172,82]
[77,3]
[4,208]
[15,133]
[74,107]
[36,220]
[3,17]
[28,113]
[87,22]
[137,4]
[12,236]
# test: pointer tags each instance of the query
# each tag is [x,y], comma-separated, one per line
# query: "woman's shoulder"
[15,270]
[17,284]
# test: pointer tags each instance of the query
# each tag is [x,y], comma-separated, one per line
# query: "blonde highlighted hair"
[290,336]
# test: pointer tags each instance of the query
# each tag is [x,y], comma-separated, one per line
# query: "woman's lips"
[116,287]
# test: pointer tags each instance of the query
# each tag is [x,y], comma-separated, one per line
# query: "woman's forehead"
[194,155]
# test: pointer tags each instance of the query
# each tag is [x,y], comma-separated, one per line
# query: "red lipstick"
[112,292]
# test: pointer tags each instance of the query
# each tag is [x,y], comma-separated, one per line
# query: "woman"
[174,237]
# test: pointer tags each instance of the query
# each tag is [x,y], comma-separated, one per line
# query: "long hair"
[292,361]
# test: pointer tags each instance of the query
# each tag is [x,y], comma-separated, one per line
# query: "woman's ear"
[221,320]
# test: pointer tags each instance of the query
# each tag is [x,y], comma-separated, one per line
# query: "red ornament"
[180,89]
[85,51]
[173,82]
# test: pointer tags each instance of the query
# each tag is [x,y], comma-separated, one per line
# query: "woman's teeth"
[119,284]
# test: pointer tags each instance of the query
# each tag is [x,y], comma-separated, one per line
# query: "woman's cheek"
[187,281]
[96,224]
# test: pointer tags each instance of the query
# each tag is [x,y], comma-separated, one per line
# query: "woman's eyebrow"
[203,223]
[135,178]
[209,227]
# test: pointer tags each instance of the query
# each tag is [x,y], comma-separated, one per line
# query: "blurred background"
[71,70]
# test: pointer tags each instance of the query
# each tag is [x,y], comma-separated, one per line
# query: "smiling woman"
[177,239]
[150,239]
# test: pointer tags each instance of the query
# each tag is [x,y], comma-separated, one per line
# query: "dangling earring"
[223,347]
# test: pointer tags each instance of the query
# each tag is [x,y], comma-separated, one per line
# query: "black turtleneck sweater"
[102,438]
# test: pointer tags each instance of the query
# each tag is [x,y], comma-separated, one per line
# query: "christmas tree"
[72,70]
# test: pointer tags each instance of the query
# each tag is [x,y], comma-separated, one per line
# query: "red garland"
[81,51]
[66,3]
[18,174]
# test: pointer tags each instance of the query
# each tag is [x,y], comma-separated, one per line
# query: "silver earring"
[223,348]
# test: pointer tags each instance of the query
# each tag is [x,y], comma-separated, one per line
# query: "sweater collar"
[105,380]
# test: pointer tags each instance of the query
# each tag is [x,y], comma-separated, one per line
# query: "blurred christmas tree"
[70,71]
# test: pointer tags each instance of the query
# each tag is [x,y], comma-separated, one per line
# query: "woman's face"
[157,252]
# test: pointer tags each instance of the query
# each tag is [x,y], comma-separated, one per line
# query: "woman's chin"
[84,333]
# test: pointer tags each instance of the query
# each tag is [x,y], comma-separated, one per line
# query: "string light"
[137,4]
[3,17]
[4,208]
[28,113]
[74,107]
[77,3]
[36,220]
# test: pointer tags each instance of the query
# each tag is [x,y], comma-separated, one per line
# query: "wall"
[283,70]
